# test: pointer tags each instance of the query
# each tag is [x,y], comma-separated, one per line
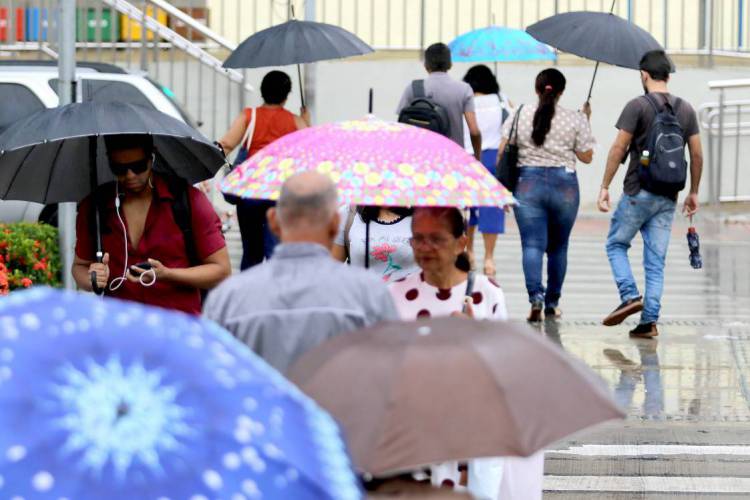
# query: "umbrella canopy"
[498,44]
[47,157]
[104,399]
[373,162]
[296,42]
[597,36]
[415,393]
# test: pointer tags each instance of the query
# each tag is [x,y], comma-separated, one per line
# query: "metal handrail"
[713,120]
[177,40]
[729,84]
[193,24]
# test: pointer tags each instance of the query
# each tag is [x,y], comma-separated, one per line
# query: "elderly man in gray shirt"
[301,296]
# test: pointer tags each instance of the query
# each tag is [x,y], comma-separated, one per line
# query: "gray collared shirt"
[455,96]
[296,300]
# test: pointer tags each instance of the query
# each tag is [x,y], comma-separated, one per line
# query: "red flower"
[40,266]
[26,282]
[382,252]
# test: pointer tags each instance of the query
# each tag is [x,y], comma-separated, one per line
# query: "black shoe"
[535,316]
[624,310]
[644,331]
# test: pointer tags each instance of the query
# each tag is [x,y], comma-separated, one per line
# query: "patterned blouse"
[415,298]
[570,132]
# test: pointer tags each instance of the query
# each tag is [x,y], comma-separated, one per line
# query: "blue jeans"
[652,215]
[548,200]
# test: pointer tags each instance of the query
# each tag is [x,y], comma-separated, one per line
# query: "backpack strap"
[654,104]
[183,216]
[348,228]
[417,89]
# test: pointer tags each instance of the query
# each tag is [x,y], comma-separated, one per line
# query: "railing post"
[720,154]
[422,23]
[310,69]
[665,23]
[66,64]
[144,37]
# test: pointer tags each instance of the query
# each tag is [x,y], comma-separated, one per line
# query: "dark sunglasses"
[137,167]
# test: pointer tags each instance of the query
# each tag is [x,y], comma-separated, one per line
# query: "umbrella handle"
[94,287]
[591,88]
[301,90]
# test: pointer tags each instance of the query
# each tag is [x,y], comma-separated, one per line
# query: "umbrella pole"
[369,105]
[95,204]
[301,90]
[591,88]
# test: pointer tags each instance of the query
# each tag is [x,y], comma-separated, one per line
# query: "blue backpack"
[666,172]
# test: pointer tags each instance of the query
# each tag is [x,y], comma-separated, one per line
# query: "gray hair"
[307,198]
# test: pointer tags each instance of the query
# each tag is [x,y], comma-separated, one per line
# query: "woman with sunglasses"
[148,257]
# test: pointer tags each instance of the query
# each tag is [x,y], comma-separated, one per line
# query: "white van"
[29,86]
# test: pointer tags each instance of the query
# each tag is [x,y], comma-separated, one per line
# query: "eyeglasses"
[432,240]
[137,167]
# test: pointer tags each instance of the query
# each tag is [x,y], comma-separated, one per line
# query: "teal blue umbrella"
[498,44]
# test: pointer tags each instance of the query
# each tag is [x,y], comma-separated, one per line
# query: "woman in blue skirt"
[492,108]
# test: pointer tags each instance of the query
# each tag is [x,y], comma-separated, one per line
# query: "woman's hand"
[468,311]
[586,109]
[304,113]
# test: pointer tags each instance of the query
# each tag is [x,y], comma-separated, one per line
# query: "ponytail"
[550,83]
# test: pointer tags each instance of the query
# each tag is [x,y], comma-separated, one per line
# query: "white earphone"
[118,282]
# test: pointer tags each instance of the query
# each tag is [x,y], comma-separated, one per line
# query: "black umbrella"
[598,36]
[56,155]
[296,42]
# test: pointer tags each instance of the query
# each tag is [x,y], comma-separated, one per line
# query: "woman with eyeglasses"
[445,287]
[439,244]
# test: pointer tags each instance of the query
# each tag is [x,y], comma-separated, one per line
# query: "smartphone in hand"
[143,265]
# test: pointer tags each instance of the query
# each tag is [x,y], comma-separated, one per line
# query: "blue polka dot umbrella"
[103,399]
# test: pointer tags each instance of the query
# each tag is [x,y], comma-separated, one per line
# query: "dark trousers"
[258,241]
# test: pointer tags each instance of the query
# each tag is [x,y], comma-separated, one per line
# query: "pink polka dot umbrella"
[373,162]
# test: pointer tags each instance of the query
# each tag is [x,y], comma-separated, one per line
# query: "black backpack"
[666,171]
[423,112]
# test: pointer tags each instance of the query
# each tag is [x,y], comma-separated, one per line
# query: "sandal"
[489,268]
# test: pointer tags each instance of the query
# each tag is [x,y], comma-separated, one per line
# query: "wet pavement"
[686,393]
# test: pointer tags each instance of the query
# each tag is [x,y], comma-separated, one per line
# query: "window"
[18,101]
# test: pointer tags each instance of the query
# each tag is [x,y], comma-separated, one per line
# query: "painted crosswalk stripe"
[647,484]
[612,450]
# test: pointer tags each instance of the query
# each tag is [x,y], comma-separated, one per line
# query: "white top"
[415,298]
[489,110]
[570,132]
[391,255]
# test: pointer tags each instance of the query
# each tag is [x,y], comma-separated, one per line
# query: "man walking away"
[287,305]
[454,98]
[650,127]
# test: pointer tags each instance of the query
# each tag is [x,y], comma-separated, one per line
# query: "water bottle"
[695,248]
[645,157]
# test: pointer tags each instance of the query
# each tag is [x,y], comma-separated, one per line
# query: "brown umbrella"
[409,394]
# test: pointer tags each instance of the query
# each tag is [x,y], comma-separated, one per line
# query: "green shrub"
[29,255]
